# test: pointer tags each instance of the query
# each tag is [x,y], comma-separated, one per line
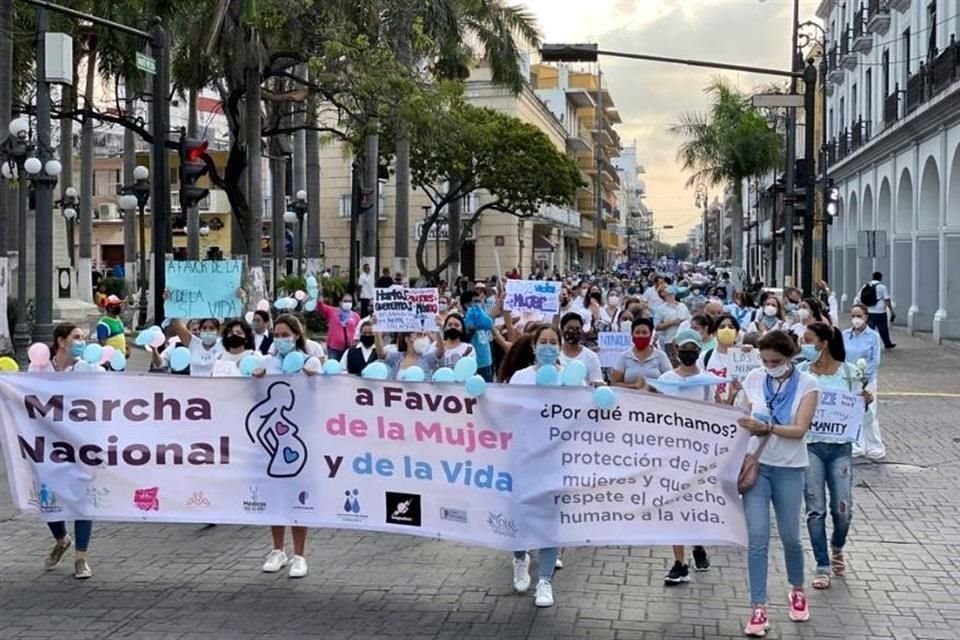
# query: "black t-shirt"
[384,282]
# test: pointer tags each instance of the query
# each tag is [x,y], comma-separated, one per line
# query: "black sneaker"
[677,574]
[701,561]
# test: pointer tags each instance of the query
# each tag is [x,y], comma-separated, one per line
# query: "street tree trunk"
[734,202]
[256,286]
[312,154]
[371,217]
[7,199]
[85,213]
[131,218]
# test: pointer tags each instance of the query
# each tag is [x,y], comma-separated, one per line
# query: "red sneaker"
[758,625]
[799,611]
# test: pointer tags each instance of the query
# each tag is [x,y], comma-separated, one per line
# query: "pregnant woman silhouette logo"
[269,425]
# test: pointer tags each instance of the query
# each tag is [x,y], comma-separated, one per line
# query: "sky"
[650,96]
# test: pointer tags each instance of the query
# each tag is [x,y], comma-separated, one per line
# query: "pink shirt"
[339,337]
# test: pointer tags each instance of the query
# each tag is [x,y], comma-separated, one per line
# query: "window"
[853,104]
[830,125]
[868,95]
[843,112]
[932,28]
[885,70]
[906,54]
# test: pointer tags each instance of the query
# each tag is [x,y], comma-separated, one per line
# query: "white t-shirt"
[588,358]
[779,452]
[704,393]
[452,356]
[759,326]
[652,297]
[528,375]
[665,313]
[202,359]
[882,296]
[366,286]
[577,307]
[719,364]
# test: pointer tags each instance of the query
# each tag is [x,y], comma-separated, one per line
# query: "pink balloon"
[108,353]
[263,305]
[158,339]
[300,295]
[39,354]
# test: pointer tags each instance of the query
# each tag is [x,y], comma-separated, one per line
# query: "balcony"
[859,134]
[843,145]
[946,67]
[900,5]
[578,144]
[835,74]
[559,216]
[916,89]
[862,39]
[891,107]
[848,57]
[878,17]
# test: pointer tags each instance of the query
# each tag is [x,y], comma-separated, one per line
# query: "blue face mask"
[810,353]
[284,345]
[76,349]
[790,306]
[546,354]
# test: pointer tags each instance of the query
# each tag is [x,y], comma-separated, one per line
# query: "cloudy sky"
[651,95]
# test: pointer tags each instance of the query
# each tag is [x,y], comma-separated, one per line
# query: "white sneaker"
[559,563]
[275,561]
[298,568]
[544,597]
[521,573]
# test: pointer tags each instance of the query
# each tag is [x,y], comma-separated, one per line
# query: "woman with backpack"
[830,455]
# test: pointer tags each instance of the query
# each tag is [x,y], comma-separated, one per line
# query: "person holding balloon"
[357,357]
[238,342]
[413,350]
[67,354]
[197,352]
[453,346]
[110,329]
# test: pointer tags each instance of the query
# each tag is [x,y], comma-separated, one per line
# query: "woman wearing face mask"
[863,343]
[65,352]
[808,312]
[831,455]
[204,348]
[635,365]
[238,343]
[771,317]
[546,353]
[453,346]
[571,328]
[703,324]
[412,349]
[718,360]
[782,401]
[668,318]
[355,359]
[342,323]
[610,313]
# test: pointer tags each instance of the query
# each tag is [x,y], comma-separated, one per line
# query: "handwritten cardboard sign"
[839,416]
[743,362]
[532,295]
[612,344]
[406,309]
[203,289]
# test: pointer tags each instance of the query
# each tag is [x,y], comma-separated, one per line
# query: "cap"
[113,300]
[687,336]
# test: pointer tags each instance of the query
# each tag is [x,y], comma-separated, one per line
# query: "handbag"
[750,468]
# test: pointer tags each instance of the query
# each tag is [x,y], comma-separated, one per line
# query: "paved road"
[189,582]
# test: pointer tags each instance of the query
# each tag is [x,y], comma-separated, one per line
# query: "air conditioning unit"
[107,211]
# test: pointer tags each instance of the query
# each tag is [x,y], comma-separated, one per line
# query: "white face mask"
[803,314]
[625,326]
[857,322]
[778,372]
[613,301]
[346,306]
[420,345]
[770,310]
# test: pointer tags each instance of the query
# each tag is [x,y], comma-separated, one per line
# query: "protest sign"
[513,469]
[612,344]
[742,362]
[839,416]
[406,309]
[532,295]
[203,289]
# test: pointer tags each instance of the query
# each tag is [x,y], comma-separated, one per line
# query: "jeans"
[547,561]
[486,372]
[334,354]
[831,467]
[784,487]
[878,322]
[82,530]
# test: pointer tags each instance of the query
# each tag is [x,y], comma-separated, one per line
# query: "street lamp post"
[299,207]
[660,230]
[703,200]
[68,208]
[135,197]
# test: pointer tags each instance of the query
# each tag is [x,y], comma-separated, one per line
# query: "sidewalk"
[179,582]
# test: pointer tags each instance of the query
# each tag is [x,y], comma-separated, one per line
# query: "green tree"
[727,145]
[512,164]
[681,250]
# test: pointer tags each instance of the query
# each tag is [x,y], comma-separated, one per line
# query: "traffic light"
[831,201]
[192,168]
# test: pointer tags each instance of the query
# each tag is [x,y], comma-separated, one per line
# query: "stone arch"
[884,219]
[951,326]
[850,249]
[953,190]
[901,263]
[866,211]
[928,215]
[904,214]
[852,220]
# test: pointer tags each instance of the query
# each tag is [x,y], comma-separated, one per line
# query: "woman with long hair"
[770,318]
[238,342]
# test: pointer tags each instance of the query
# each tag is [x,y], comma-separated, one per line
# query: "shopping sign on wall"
[510,470]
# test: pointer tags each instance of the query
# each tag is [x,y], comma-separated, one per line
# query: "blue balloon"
[118,362]
[293,362]
[143,338]
[413,374]
[310,306]
[92,354]
[574,374]
[465,368]
[604,397]
[548,376]
[285,304]
[332,367]
[179,359]
[248,364]
[375,371]
[311,282]
[476,386]
[444,374]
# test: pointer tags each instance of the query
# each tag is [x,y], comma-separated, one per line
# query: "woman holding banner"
[634,366]
[413,349]
[65,352]
[782,401]
[831,455]
[205,349]
[453,346]
[238,342]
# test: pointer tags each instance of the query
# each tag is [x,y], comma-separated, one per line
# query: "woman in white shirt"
[770,318]
[782,401]
[571,327]
[454,347]
[238,342]
[204,349]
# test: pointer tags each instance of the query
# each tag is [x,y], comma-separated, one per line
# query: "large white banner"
[509,470]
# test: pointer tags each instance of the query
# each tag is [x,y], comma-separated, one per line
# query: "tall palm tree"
[729,143]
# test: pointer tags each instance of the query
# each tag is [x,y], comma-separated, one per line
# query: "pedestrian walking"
[877,299]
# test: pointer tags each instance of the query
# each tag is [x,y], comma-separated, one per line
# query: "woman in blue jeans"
[67,347]
[831,454]
[782,401]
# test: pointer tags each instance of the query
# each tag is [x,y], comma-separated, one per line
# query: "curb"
[927,337]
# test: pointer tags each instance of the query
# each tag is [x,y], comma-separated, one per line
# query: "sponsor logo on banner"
[98,497]
[501,525]
[403,508]
[198,501]
[453,515]
[147,499]
[254,504]
[43,499]
[303,502]
[351,507]
[269,424]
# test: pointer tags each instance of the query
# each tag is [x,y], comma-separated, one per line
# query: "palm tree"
[726,145]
